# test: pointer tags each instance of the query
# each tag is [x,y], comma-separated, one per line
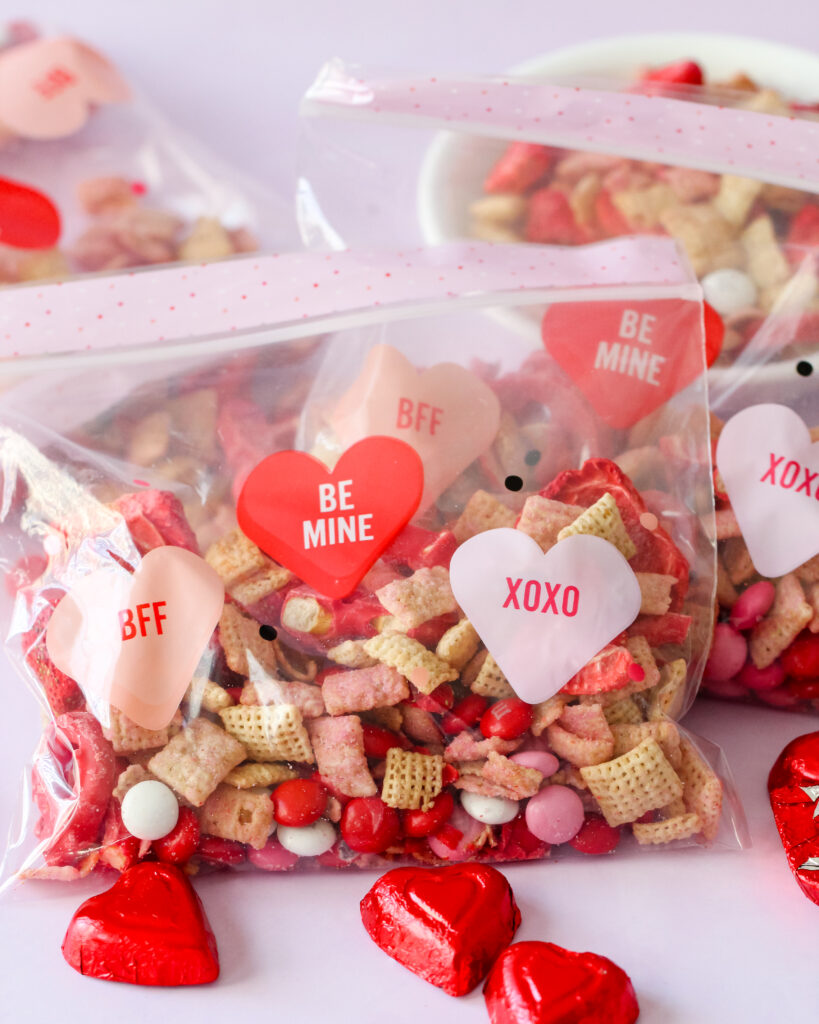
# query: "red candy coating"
[801,659]
[149,928]
[541,983]
[369,826]
[507,719]
[793,809]
[681,72]
[596,836]
[424,823]
[299,802]
[447,925]
[182,842]
[465,714]
[223,852]
[378,740]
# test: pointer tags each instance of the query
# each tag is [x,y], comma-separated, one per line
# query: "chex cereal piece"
[569,776]
[204,694]
[307,698]
[623,712]
[702,789]
[459,644]
[420,726]
[627,737]
[465,748]
[483,676]
[389,718]
[766,263]
[132,776]
[546,712]
[470,780]
[412,659]
[244,647]
[263,584]
[737,560]
[727,593]
[519,780]
[235,558]
[581,735]
[362,689]
[351,654]
[416,599]
[304,614]
[707,237]
[126,736]
[503,208]
[150,438]
[789,615]
[602,519]
[674,809]
[411,781]
[655,592]
[252,774]
[725,524]
[667,697]
[340,756]
[735,198]
[270,733]
[482,512]
[638,647]
[655,832]
[808,572]
[628,786]
[642,207]
[196,760]
[245,815]
[812,597]
[543,519]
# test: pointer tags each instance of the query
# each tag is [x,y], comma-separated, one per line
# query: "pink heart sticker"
[134,640]
[543,616]
[447,414]
[770,469]
[48,87]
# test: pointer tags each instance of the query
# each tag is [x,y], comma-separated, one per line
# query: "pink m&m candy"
[555,814]
[542,760]
[753,604]
[728,653]
[761,678]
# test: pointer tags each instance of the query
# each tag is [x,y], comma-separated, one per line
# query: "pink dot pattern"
[184,302]
[783,150]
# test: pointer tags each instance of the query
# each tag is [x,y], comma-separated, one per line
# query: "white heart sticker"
[770,469]
[543,616]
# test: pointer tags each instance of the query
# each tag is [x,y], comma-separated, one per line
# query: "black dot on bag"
[513,483]
[804,368]
[267,633]
[532,458]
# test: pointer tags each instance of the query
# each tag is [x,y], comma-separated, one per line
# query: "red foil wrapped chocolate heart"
[149,928]
[793,787]
[447,925]
[540,983]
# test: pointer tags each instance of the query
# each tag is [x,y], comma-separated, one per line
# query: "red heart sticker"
[149,928]
[445,924]
[28,218]
[628,359]
[793,787]
[539,981]
[330,526]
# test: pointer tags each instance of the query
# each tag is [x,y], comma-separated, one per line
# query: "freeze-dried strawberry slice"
[804,228]
[417,548]
[671,628]
[61,691]
[156,518]
[522,165]
[550,220]
[608,670]
[656,551]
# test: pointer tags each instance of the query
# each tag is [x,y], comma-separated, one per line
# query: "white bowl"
[465,159]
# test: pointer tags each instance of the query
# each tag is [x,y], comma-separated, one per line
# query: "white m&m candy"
[729,290]
[308,840]
[491,810]
[150,810]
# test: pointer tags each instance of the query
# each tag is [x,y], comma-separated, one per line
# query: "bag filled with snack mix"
[311,562]
[726,169]
[92,178]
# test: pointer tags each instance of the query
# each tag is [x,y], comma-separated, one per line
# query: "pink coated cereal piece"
[469,828]
[555,814]
[728,689]
[729,651]
[753,605]
[272,856]
[761,679]
[547,764]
